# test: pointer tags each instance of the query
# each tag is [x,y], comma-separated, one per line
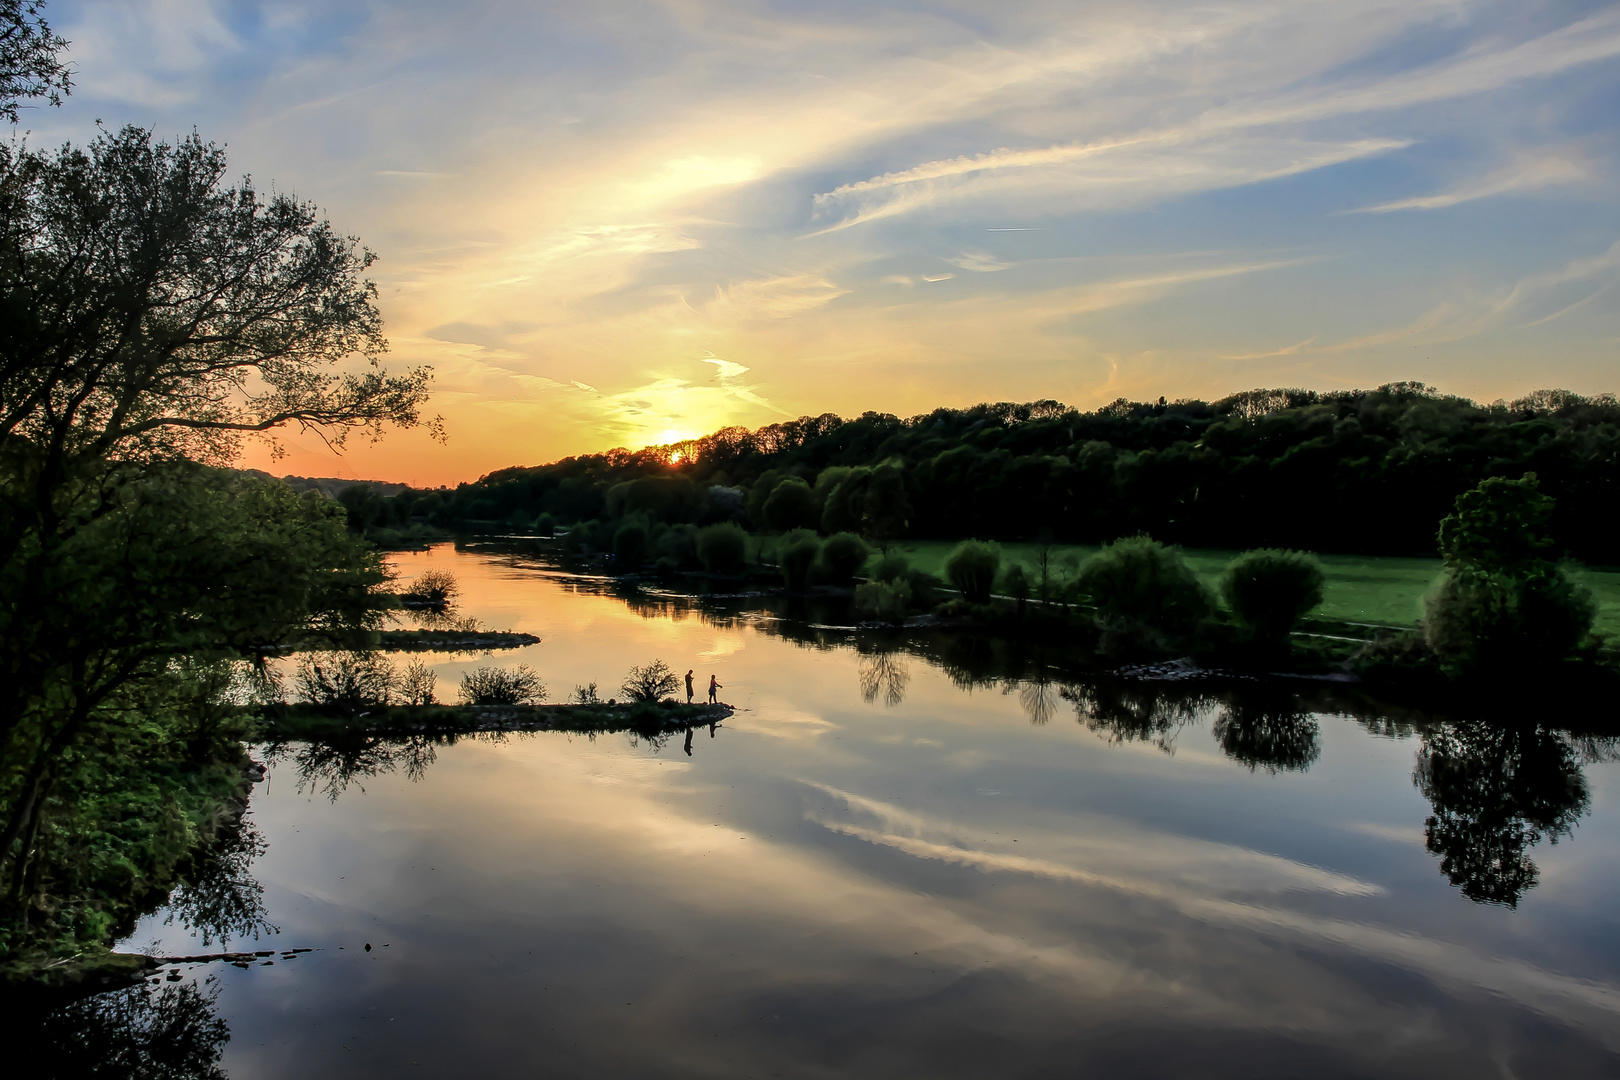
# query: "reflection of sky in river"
[932,888]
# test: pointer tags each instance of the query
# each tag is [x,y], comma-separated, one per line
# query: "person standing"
[689,686]
[714,689]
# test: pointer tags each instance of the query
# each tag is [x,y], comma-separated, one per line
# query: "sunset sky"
[620,223]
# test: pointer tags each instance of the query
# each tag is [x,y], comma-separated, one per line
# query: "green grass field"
[1361,588]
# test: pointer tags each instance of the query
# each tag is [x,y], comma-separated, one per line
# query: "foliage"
[352,680]
[791,505]
[894,566]
[586,695]
[435,588]
[1501,603]
[797,556]
[1273,735]
[883,599]
[842,556]
[650,682]
[723,548]
[1015,583]
[29,64]
[1145,594]
[416,685]
[630,546]
[1270,591]
[518,685]
[170,1031]
[971,570]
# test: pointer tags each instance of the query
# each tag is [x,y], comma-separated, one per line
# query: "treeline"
[1361,471]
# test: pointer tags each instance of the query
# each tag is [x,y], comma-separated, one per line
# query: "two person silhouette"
[714,688]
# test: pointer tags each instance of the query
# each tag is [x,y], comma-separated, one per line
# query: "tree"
[1146,595]
[1270,591]
[797,557]
[842,557]
[650,682]
[518,685]
[29,64]
[971,569]
[722,548]
[1501,603]
[791,505]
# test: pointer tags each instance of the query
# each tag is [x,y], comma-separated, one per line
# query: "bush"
[892,567]
[583,538]
[586,695]
[651,682]
[1478,622]
[722,548]
[434,588]
[520,685]
[883,599]
[1147,597]
[842,557]
[797,557]
[1015,583]
[971,570]
[545,525]
[1270,591]
[677,547]
[791,505]
[416,684]
[630,546]
[345,680]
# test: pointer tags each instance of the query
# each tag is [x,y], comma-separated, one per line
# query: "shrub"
[677,547]
[797,557]
[545,525]
[892,567]
[583,537]
[883,599]
[650,682]
[971,570]
[1015,583]
[587,695]
[630,546]
[791,505]
[520,685]
[346,680]
[842,557]
[434,588]
[416,684]
[1270,591]
[1146,595]
[1478,622]
[722,548]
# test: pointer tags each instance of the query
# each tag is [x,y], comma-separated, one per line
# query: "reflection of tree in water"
[331,765]
[1496,790]
[1134,712]
[885,674]
[1268,731]
[145,1031]
[224,900]
[1037,697]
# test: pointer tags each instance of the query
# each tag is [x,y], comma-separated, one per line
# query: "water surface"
[893,865]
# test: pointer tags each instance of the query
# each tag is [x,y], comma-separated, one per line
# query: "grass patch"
[1360,588]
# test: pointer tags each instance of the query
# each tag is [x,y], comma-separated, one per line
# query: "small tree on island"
[1147,597]
[650,682]
[1269,591]
[971,569]
[519,685]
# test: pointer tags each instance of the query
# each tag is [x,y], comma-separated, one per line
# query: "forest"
[1360,471]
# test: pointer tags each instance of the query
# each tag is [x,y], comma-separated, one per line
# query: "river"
[887,866]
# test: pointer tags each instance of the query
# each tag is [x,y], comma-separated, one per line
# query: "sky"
[625,223]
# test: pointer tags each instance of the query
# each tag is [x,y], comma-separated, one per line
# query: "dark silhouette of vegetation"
[1502,604]
[1195,473]
[650,682]
[1268,731]
[350,681]
[1497,790]
[791,505]
[170,1031]
[971,570]
[722,548]
[433,588]
[1146,597]
[518,685]
[30,64]
[630,546]
[797,556]
[1269,591]
[841,558]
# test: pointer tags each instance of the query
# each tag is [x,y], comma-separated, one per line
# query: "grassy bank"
[1360,588]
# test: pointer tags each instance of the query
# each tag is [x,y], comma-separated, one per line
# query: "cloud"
[1531,173]
[980,262]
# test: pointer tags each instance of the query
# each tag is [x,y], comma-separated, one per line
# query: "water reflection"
[1497,790]
[172,1031]
[224,900]
[331,766]
[883,674]
[1266,729]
